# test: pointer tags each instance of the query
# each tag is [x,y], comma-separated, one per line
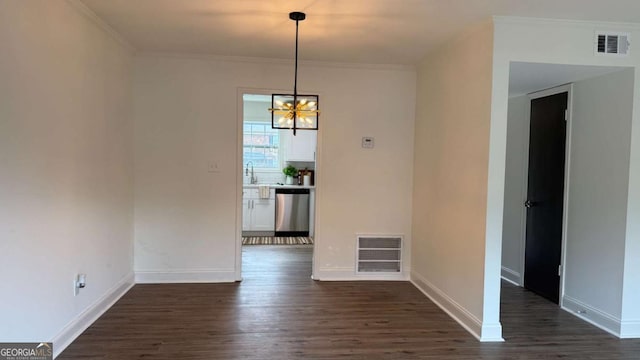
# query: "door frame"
[239,177]
[568,88]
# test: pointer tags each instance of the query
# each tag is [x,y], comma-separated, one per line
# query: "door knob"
[529,204]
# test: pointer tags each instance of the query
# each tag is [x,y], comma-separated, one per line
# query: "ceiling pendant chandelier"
[294,111]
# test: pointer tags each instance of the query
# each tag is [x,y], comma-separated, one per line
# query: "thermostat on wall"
[368,142]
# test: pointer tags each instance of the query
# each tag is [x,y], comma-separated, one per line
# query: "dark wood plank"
[278,312]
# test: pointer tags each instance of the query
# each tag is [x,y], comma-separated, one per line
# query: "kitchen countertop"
[276,186]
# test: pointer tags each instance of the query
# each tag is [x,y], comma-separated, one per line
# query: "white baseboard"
[349,274]
[588,313]
[630,330]
[78,325]
[491,333]
[185,276]
[467,320]
[511,276]
[484,333]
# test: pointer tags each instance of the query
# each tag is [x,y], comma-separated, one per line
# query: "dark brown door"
[545,195]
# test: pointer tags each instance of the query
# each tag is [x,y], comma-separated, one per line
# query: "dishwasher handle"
[292,191]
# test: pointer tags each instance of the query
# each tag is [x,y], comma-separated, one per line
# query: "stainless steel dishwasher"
[292,212]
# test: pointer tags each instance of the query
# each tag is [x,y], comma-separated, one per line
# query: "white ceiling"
[360,31]
[525,78]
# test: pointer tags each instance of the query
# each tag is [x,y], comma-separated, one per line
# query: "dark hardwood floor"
[278,312]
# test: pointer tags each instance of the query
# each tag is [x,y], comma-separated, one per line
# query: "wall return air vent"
[612,43]
[379,254]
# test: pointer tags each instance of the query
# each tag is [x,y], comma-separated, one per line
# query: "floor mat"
[277,240]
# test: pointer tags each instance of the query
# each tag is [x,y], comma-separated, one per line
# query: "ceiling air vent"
[379,254]
[612,43]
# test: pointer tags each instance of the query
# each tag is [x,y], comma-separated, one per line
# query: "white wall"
[257,110]
[598,190]
[526,40]
[186,115]
[66,170]
[514,190]
[450,177]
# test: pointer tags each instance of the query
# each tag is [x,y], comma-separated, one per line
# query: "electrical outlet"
[212,166]
[368,142]
[76,289]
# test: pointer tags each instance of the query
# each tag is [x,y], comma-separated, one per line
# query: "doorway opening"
[278,187]
[567,155]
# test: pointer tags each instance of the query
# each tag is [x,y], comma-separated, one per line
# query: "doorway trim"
[239,183]
[568,88]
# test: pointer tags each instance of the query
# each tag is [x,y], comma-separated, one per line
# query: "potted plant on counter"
[290,171]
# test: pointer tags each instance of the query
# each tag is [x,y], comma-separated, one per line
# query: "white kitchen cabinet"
[246,214]
[301,147]
[263,215]
[258,214]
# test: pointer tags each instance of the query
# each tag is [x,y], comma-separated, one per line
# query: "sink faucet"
[254,178]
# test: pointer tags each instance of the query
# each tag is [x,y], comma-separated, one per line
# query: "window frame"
[268,131]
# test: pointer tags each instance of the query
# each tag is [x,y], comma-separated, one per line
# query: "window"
[261,145]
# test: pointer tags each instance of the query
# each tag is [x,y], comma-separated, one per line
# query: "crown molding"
[568,22]
[81,8]
[274,61]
